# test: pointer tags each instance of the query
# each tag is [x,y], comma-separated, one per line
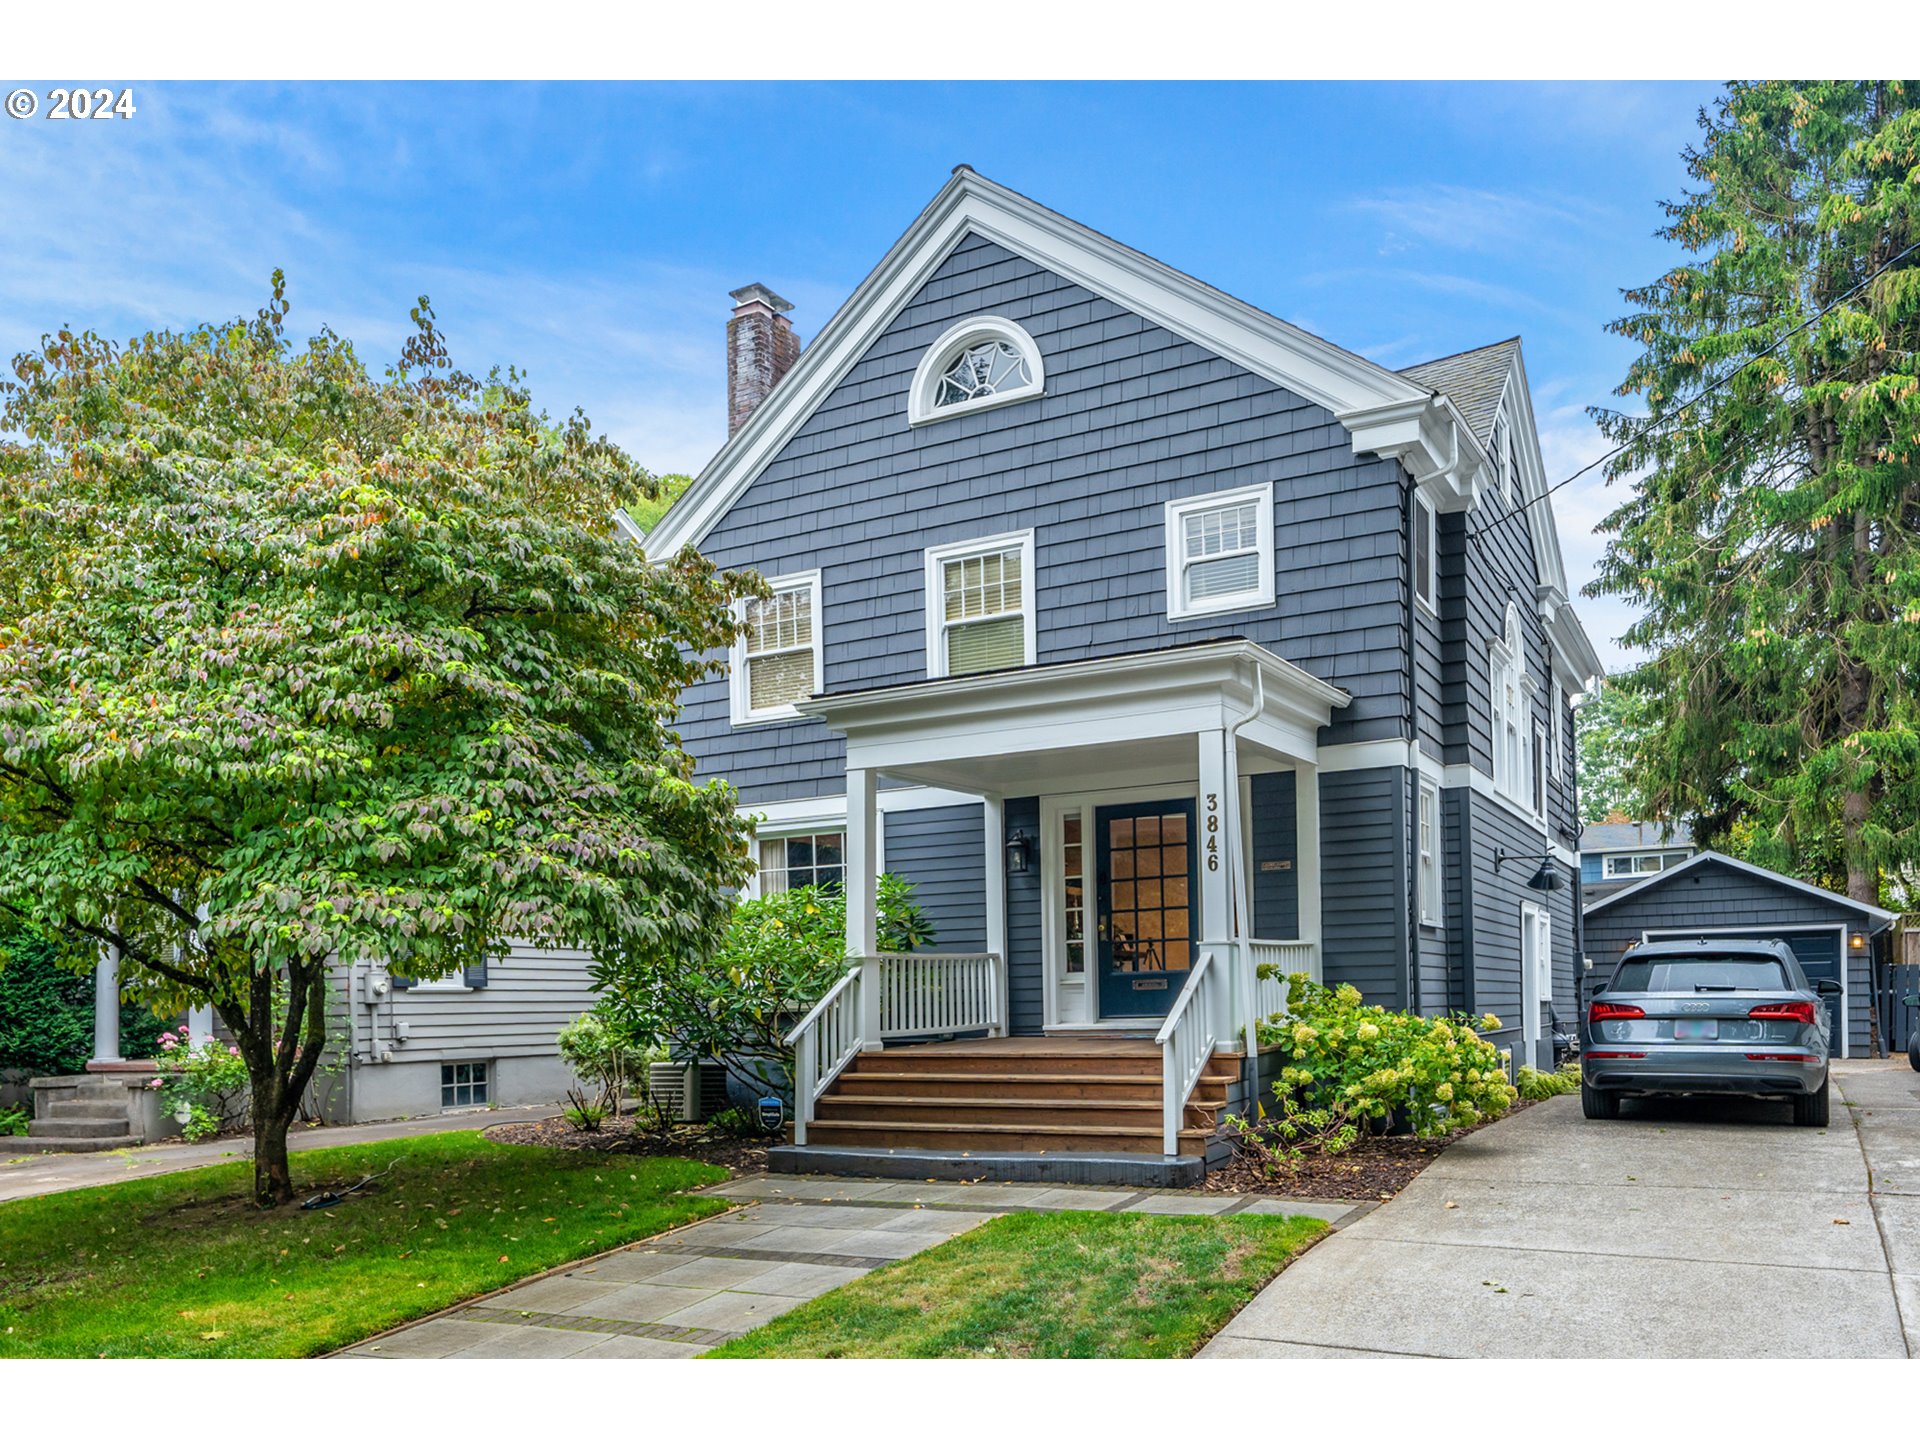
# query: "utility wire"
[1653,424]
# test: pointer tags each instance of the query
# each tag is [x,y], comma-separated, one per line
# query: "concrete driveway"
[1686,1228]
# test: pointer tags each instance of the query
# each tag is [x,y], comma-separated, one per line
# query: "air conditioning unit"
[690,1092]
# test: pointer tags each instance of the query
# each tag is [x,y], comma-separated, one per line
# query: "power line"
[1653,424]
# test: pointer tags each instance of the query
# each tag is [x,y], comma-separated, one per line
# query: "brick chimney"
[761,348]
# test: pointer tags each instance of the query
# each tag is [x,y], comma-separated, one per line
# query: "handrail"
[836,1021]
[1187,1041]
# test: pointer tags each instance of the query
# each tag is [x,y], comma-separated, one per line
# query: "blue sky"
[589,233]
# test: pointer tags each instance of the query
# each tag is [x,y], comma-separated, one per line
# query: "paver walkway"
[1688,1228]
[793,1237]
[48,1174]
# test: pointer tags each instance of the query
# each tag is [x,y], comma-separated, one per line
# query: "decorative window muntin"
[976,365]
[777,658]
[1220,552]
[788,862]
[980,611]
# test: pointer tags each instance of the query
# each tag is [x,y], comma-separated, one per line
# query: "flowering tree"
[300,665]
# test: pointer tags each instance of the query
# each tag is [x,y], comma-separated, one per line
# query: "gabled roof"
[1473,379]
[1384,411]
[1636,835]
[1878,919]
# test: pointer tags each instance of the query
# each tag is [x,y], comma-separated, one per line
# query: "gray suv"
[1723,1017]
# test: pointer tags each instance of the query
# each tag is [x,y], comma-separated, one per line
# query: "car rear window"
[1695,972]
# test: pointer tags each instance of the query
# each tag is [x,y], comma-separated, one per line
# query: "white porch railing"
[824,1043]
[930,993]
[1286,957]
[1187,1041]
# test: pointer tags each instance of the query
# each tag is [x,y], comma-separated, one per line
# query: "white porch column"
[106,1006]
[995,827]
[1219,824]
[863,856]
[199,1025]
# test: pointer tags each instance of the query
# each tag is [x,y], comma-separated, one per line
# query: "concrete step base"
[54,1145]
[1136,1171]
[80,1129]
[114,1109]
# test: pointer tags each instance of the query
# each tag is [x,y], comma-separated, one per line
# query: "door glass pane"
[1072,865]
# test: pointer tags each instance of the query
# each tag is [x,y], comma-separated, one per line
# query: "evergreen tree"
[1771,534]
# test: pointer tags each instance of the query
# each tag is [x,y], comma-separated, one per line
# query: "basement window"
[463,1085]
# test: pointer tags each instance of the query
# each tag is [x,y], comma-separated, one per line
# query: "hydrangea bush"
[1369,1065]
[209,1080]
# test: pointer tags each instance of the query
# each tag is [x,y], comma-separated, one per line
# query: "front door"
[1147,898]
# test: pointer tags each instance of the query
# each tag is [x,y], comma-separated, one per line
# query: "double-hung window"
[1429,855]
[788,862]
[777,657]
[980,612]
[1220,552]
[1517,745]
[1426,554]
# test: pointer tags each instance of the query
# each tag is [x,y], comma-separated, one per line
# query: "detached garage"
[1717,897]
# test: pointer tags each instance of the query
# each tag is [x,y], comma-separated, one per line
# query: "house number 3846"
[1213,831]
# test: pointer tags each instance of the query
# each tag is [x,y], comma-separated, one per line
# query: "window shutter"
[401,982]
[475,976]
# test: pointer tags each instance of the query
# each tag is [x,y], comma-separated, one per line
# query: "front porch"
[1129,874]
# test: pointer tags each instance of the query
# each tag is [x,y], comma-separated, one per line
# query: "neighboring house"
[1616,855]
[1717,897]
[1154,639]
[484,1036]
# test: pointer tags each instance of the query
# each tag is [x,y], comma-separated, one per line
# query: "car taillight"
[1796,1010]
[1606,1010]
[1796,1059]
[1613,1055]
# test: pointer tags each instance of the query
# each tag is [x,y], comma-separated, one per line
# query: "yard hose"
[328,1198]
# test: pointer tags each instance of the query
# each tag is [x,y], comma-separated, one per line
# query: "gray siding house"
[1156,640]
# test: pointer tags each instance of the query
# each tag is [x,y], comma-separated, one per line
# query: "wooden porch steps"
[1095,1096]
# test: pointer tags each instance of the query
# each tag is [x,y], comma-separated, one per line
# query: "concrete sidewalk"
[50,1174]
[1689,1228]
[794,1237]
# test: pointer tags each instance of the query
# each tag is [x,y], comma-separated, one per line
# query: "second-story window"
[1515,750]
[1426,558]
[1220,552]
[980,612]
[777,661]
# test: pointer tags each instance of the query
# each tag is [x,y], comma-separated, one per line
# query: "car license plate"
[1696,1029]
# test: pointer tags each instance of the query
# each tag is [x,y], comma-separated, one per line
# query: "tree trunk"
[272,1175]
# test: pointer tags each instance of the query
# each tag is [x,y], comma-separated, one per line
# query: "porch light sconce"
[1019,851]
[1545,878]
[1857,941]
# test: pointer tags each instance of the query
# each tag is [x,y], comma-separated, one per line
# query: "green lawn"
[1047,1285]
[183,1265]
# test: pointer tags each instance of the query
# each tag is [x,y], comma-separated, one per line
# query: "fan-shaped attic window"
[976,365]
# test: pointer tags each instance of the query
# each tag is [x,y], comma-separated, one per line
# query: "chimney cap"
[749,294]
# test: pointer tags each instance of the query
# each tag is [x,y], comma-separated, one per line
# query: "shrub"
[1543,1085]
[605,1062]
[782,952]
[13,1121]
[210,1080]
[1370,1065]
[46,1012]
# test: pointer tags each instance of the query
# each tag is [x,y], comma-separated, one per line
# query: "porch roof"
[1131,713]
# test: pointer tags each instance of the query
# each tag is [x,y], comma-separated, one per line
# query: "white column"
[1219,823]
[863,898]
[1306,847]
[199,1025]
[995,827]
[106,1006]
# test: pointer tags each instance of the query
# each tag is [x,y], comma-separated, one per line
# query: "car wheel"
[1599,1104]
[1812,1109]
[1913,1050]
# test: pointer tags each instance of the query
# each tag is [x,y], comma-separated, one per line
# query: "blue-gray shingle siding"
[943,852]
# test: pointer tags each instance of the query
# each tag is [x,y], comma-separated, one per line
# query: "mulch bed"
[621,1137]
[1378,1167]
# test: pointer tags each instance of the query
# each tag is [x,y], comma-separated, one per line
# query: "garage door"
[1818,952]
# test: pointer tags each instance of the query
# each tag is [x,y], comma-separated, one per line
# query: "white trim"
[1557,728]
[739,689]
[1884,917]
[1537,920]
[937,557]
[452,980]
[971,204]
[1841,927]
[1261,596]
[779,817]
[921,409]
[1426,518]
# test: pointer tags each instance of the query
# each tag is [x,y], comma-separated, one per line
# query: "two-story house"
[1156,640]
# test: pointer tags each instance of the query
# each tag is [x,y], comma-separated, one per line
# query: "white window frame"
[453,980]
[785,833]
[939,556]
[1262,596]
[1503,459]
[484,1083]
[938,356]
[1427,853]
[1559,729]
[740,691]
[1426,521]
[1514,748]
